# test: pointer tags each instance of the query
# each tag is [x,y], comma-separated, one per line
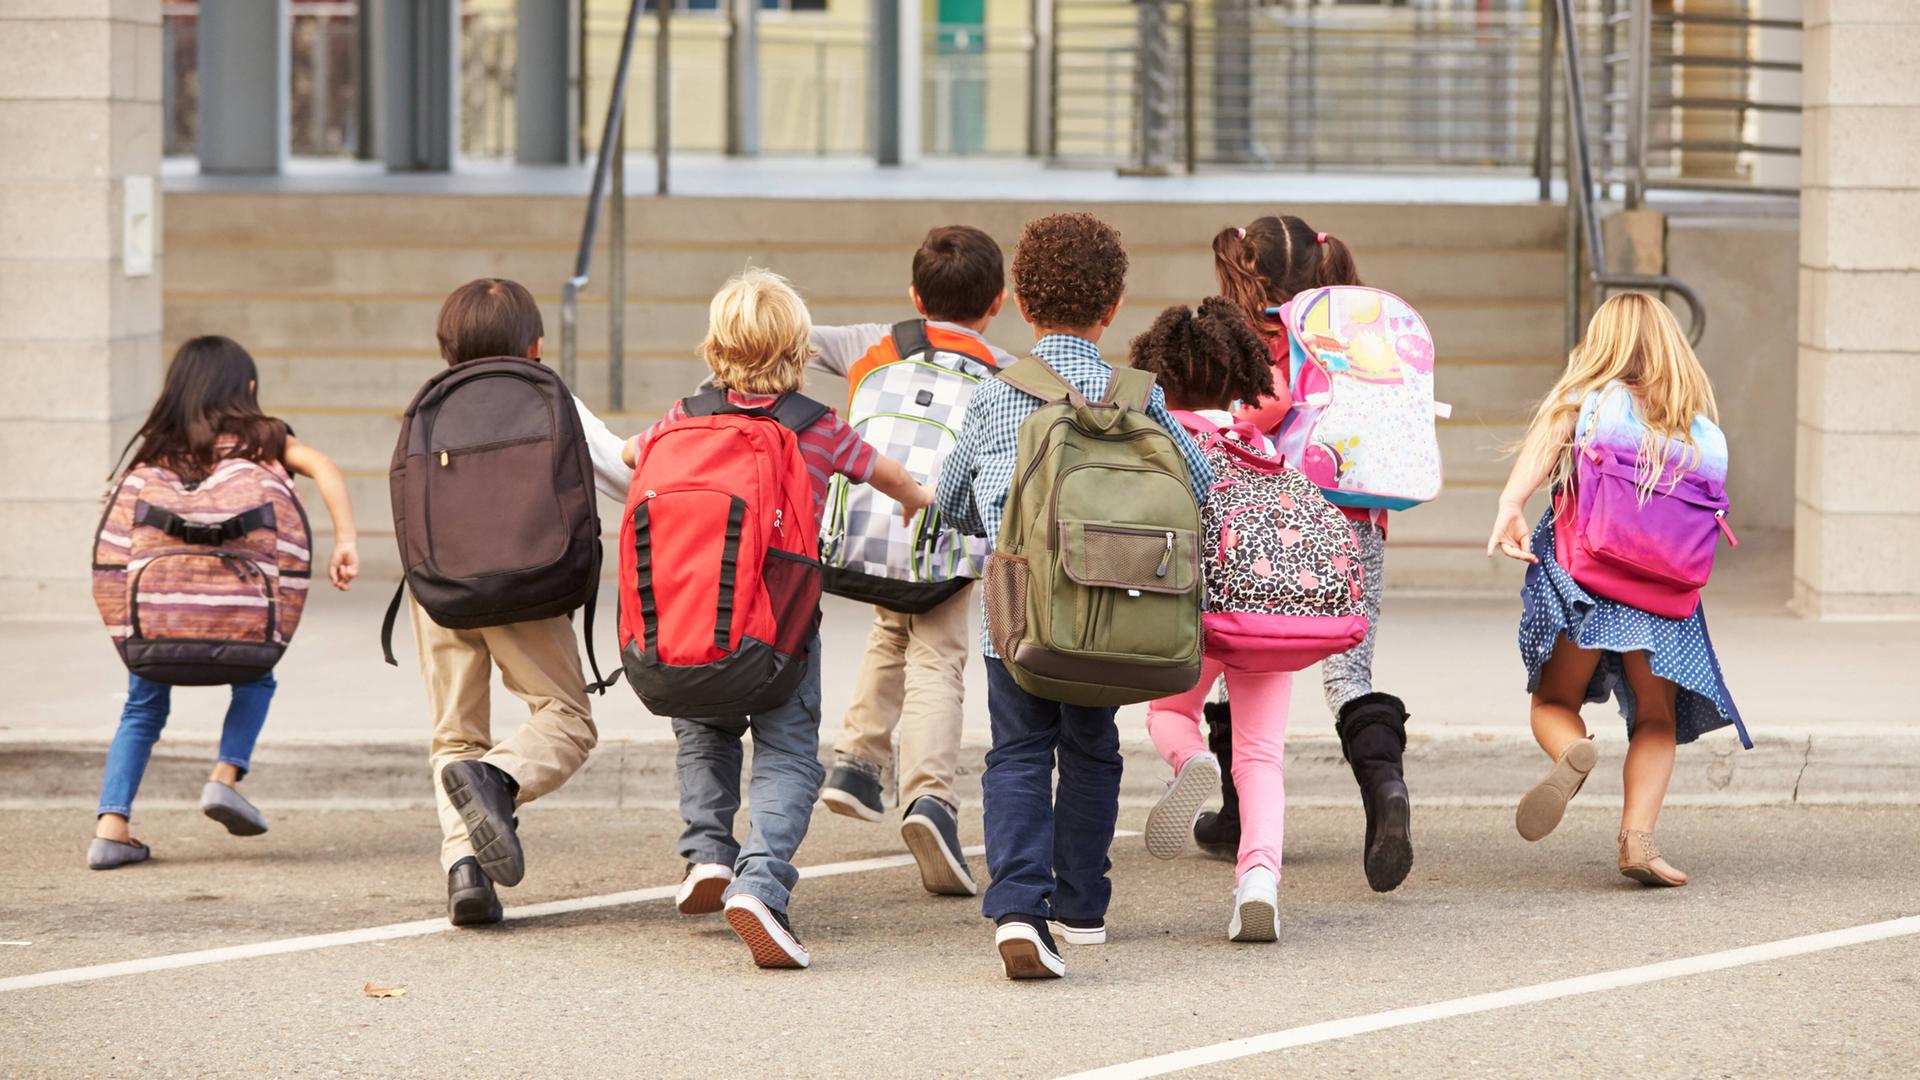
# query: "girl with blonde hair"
[1634,388]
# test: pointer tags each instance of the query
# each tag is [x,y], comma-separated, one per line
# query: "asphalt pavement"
[906,984]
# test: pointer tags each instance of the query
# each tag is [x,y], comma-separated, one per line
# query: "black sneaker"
[1080,931]
[471,900]
[932,833]
[854,790]
[1217,836]
[768,934]
[484,796]
[1026,949]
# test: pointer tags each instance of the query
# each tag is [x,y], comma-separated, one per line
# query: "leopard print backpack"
[1282,566]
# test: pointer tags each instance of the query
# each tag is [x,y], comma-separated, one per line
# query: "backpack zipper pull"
[1720,519]
[1166,559]
[445,460]
[776,519]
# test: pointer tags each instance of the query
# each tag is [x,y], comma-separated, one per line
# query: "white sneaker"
[703,888]
[1170,822]
[1256,907]
[1080,931]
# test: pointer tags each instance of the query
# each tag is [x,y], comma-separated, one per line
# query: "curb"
[622,774]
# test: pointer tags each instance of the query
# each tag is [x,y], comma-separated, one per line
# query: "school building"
[311,177]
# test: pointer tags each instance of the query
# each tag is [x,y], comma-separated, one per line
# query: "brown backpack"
[493,501]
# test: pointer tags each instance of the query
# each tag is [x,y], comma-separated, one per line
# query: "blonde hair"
[759,335]
[1633,340]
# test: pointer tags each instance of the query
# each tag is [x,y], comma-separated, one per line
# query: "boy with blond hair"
[757,346]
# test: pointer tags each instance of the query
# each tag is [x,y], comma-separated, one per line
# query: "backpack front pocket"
[201,596]
[1137,590]
[491,509]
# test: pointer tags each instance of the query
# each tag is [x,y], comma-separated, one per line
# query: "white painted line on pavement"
[420,928]
[1332,1030]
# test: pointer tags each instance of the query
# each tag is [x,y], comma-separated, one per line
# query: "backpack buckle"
[195,533]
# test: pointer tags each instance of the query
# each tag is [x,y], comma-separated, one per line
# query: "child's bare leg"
[225,773]
[1557,701]
[111,827]
[1648,770]
[1649,765]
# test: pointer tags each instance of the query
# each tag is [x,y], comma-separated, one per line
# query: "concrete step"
[396,220]
[294,324]
[847,272]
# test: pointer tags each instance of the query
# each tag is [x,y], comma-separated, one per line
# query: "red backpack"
[719,566]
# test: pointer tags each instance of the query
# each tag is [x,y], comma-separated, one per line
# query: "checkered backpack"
[908,397]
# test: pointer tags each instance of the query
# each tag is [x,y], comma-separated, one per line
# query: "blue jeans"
[1047,853]
[786,781]
[148,703]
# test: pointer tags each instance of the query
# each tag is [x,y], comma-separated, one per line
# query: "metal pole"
[1543,122]
[662,97]
[617,277]
[1639,50]
[1576,273]
[1190,116]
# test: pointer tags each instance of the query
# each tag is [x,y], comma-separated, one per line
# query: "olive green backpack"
[1093,589]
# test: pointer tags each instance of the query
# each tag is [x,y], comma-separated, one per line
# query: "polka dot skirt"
[1679,650]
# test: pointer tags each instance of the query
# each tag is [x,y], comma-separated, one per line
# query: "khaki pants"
[540,663]
[911,678]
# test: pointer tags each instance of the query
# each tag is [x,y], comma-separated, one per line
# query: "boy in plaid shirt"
[1048,861]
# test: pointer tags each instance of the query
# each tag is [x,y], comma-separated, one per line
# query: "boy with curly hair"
[1048,862]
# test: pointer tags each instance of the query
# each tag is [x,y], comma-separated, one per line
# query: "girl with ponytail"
[1261,266]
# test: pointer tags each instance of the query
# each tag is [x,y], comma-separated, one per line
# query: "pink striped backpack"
[1282,567]
[202,584]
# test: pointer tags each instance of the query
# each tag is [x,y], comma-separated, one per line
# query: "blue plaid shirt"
[976,475]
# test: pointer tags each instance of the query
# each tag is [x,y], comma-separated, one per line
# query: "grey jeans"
[1350,674]
[780,794]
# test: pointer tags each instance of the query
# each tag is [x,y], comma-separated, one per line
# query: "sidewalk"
[1834,709]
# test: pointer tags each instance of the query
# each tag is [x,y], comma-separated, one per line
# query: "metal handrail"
[1580,191]
[612,147]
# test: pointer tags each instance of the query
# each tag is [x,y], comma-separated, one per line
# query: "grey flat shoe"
[230,808]
[104,854]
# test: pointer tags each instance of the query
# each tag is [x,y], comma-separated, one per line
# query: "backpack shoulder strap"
[1130,387]
[1033,377]
[709,402]
[910,338]
[796,411]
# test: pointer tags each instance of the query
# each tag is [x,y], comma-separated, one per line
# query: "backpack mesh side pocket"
[1006,585]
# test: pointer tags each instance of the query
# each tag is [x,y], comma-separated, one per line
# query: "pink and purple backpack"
[1656,554]
[1282,567]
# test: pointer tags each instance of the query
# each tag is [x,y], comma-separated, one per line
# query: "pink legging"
[1260,704]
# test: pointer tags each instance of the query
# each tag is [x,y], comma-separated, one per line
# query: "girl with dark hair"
[1262,266]
[1208,363]
[209,412]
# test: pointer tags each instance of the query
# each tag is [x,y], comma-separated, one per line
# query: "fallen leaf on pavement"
[376,990]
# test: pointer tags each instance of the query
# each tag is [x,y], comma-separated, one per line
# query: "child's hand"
[920,500]
[1510,535]
[344,565]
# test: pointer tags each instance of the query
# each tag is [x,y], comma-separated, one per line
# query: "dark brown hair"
[210,394]
[1206,360]
[488,317]
[958,273]
[1266,263]
[1069,270]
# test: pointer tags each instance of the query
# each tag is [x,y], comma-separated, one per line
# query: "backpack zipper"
[1166,559]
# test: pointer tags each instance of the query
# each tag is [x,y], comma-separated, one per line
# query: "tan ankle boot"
[1641,861]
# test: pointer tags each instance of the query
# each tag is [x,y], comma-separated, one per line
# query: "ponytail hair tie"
[1241,233]
[1320,238]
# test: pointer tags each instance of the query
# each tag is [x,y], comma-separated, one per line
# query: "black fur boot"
[1373,736]
[1218,833]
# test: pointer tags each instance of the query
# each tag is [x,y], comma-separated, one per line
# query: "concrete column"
[244,88]
[80,118]
[416,76]
[896,82]
[1857,519]
[547,73]
[743,77]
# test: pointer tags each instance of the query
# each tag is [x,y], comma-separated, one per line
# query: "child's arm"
[1199,473]
[612,473]
[1538,451]
[890,478]
[344,564]
[835,348]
